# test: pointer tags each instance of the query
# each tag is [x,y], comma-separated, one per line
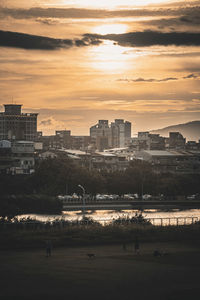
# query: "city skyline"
[12,114]
[76,62]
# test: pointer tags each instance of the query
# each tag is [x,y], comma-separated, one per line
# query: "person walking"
[48,248]
[124,246]
[137,245]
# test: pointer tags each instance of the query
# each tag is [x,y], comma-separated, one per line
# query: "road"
[129,205]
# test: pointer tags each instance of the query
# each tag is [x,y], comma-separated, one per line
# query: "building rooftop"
[170,152]
[116,149]
[23,142]
[158,152]
[105,154]
[74,152]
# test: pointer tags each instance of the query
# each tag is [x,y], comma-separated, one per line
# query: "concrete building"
[17,157]
[171,161]
[80,142]
[121,133]
[148,141]
[15,125]
[108,162]
[6,160]
[192,145]
[101,135]
[63,138]
[23,153]
[176,140]
[105,136]
[97,160]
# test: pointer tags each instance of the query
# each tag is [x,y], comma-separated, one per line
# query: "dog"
[91,255]
[157,253]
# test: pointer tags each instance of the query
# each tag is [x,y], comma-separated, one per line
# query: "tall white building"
[121,133]
[114,135]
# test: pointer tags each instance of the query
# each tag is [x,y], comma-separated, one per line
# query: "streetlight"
[83,189]
[142,177]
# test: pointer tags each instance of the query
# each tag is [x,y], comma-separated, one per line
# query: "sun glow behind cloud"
[109,58]
[110,28]
[107,4]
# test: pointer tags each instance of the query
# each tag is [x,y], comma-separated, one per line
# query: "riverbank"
[112,274]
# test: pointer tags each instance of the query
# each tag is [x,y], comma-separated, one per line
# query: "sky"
[77,61]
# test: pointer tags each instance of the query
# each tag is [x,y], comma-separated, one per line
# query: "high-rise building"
[115,135]
[121,133]
[99,132]
[15,125]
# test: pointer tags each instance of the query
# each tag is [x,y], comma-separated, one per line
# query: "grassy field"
[77,236]
[112,274]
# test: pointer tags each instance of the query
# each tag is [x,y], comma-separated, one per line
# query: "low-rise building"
[23,152]
[176,140]
[148,141]
[108,161]
[164,161]
[80,142]
[192,145]
[17,157]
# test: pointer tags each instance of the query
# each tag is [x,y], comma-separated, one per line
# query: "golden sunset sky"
[77,61]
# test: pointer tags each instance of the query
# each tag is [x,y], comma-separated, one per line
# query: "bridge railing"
[175,221]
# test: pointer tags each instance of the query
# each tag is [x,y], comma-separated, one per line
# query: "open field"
[112,274]
[33,237]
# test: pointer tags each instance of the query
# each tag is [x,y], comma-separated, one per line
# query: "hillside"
[190,130]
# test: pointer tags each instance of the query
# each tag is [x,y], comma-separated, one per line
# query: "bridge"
[77,205]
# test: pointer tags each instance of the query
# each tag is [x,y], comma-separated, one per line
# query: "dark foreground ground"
[112,274]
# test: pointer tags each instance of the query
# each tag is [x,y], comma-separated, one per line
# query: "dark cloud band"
[35,12]
[151,38]
[35,42]
[140,79]
[132,39]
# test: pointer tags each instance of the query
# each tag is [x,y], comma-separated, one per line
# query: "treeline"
[60,176]
[13,205]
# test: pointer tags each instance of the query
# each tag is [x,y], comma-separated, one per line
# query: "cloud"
[184,21]
[131,39]
[28,41]
[51,123]
[47,122]
[151,38]
[190,76]
[148,80]
[47,21]
[21,13]
[53,12]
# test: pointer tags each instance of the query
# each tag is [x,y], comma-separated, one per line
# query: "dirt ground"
[114,273]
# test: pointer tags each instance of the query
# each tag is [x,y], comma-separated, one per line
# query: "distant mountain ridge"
[190,130]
